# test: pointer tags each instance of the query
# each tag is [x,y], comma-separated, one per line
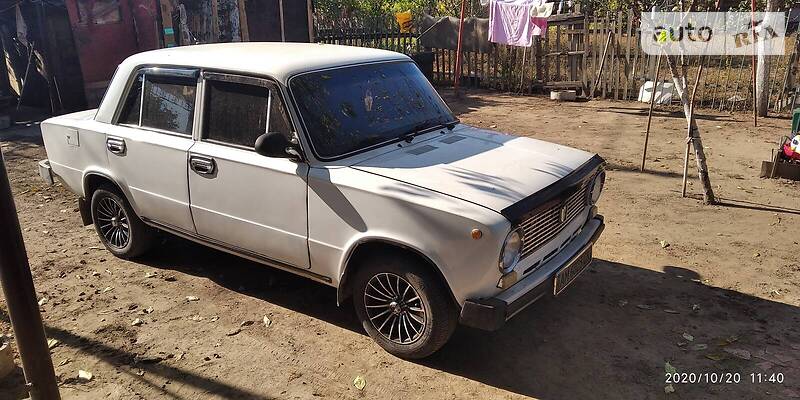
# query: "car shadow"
[253,279]
[616,317]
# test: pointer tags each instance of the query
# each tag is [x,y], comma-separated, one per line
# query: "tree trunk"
[679,81]
[763,64]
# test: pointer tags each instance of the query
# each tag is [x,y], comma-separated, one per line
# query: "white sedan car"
[340,164]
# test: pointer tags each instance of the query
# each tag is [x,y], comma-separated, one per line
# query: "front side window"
[353,108]
[238,113]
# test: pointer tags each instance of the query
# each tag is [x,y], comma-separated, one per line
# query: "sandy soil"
[722,296]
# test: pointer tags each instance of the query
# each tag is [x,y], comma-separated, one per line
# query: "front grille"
[547,224]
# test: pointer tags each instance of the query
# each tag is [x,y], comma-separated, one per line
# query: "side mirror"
[275,145]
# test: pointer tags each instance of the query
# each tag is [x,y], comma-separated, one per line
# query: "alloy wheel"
[113,222]
[394,308]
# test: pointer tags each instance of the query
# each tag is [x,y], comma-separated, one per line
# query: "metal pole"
[457,77]
[650,112]
[20,295]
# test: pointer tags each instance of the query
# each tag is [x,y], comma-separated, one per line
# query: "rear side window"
[168,104]
[161,102]
[133,103]
[238,113]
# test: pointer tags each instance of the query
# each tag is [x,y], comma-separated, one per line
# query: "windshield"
[352,108]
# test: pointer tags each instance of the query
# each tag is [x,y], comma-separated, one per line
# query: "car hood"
[487,168]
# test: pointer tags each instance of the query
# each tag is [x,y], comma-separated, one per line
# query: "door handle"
[115,145]
[202,165]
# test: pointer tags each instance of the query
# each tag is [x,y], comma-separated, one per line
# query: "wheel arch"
[366,247]
[93,180]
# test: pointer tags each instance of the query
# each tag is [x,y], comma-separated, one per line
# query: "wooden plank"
[625,92]
[214,22]
[617,61]
[586,55]
[244,31]
[546,72]
[556,54]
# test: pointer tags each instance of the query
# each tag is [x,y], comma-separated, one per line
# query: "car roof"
[275,59]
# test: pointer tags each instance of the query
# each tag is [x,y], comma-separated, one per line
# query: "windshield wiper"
[418,128]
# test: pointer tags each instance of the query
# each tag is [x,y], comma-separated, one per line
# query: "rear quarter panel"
[75,145]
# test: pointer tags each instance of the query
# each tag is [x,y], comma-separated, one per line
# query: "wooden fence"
[570,57]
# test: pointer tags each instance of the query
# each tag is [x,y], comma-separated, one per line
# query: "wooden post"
[753,30]
[244,31]
[310,15]
[214,21]
[457,74]
[20,295]
[602,64]
[650,112]
[283,29]
[690,133]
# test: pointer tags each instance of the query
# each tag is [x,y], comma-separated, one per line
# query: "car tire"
[120,229]
[413,328]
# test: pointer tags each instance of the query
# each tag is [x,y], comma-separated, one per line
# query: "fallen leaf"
[359,382]
[148,310]
[699,346]
[192,298]
[728,340]
[64,362]
[715,357]
[107,289]
[664,244]
[196,318]
[765,365]
[741,353]
[52,343]
[234,332]
[137,322]
[688,336]
[645,307]
[669,389]
[85,376]
[267,321]
[43,301]
[149,274]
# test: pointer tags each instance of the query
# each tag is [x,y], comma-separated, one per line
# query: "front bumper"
[492,313]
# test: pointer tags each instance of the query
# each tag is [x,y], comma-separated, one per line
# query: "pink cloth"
[512,22]
[539,26]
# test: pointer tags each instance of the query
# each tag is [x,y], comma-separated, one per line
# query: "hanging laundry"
[515,22]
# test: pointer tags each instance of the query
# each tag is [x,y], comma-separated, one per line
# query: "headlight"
[597,187]
[509,256]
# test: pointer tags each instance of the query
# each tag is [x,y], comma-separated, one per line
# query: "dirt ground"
[703,288]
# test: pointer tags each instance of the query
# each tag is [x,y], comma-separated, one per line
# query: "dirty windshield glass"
[352,108]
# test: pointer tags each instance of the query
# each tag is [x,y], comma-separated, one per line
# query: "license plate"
[569,273]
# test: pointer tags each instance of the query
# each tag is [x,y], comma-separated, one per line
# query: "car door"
[149,141]
[243,200]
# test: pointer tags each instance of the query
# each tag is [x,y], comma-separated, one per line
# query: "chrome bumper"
[492,313]
[46,172]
